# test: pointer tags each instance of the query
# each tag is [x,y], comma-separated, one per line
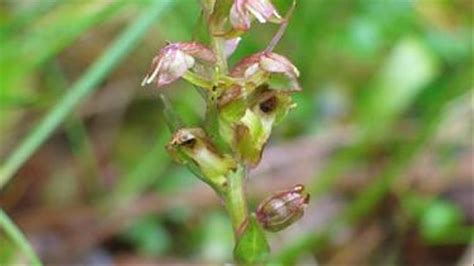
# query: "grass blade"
[82,88]
[18,238]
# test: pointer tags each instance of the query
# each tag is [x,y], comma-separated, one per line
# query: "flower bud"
[191,145]
[174,60]
[279,211]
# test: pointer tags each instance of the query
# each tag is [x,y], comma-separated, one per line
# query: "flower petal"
[242,11]
[230,46]
[239,17]
[153,71]
[174,60]
[263,10]
[174,65]
[239,70]
[197,50]
[276,63]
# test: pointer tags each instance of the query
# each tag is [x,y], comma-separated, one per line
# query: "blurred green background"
[382,136]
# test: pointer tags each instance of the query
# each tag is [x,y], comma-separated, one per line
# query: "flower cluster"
[244,104]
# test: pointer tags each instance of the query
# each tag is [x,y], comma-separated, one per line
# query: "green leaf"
[407,71]
[438,220]
[149,236]
[47,36]
[252,246]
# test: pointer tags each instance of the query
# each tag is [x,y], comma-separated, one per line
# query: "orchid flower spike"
[174,60]
[242,11]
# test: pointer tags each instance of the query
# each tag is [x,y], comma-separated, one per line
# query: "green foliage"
[396,84]
[438,220]
[216,241]
[252,246]
[149,236]
[17,237]
[24,53]
[81,89]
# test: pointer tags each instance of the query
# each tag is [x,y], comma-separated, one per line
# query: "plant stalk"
[218,48]
[235,199]
[234,193]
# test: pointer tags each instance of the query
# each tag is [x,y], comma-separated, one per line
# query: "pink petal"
[244,64]
[239,18]
[231,45]
[272,62]
[197,50]
[263,10]
[153,71]
[174,60]
[174,65]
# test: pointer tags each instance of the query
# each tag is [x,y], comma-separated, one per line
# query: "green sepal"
[212,125]
[282,82]
[234,110]
[253,130]
[285,105]
[251,247]
[192,147]
[251,135]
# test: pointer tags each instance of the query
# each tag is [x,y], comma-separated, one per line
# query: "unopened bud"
[279,211]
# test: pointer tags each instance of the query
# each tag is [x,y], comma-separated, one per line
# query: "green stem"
[218,48]
[18,238]
[251,245]
[217,43]
[197,80]
[236,203]
[235,197]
